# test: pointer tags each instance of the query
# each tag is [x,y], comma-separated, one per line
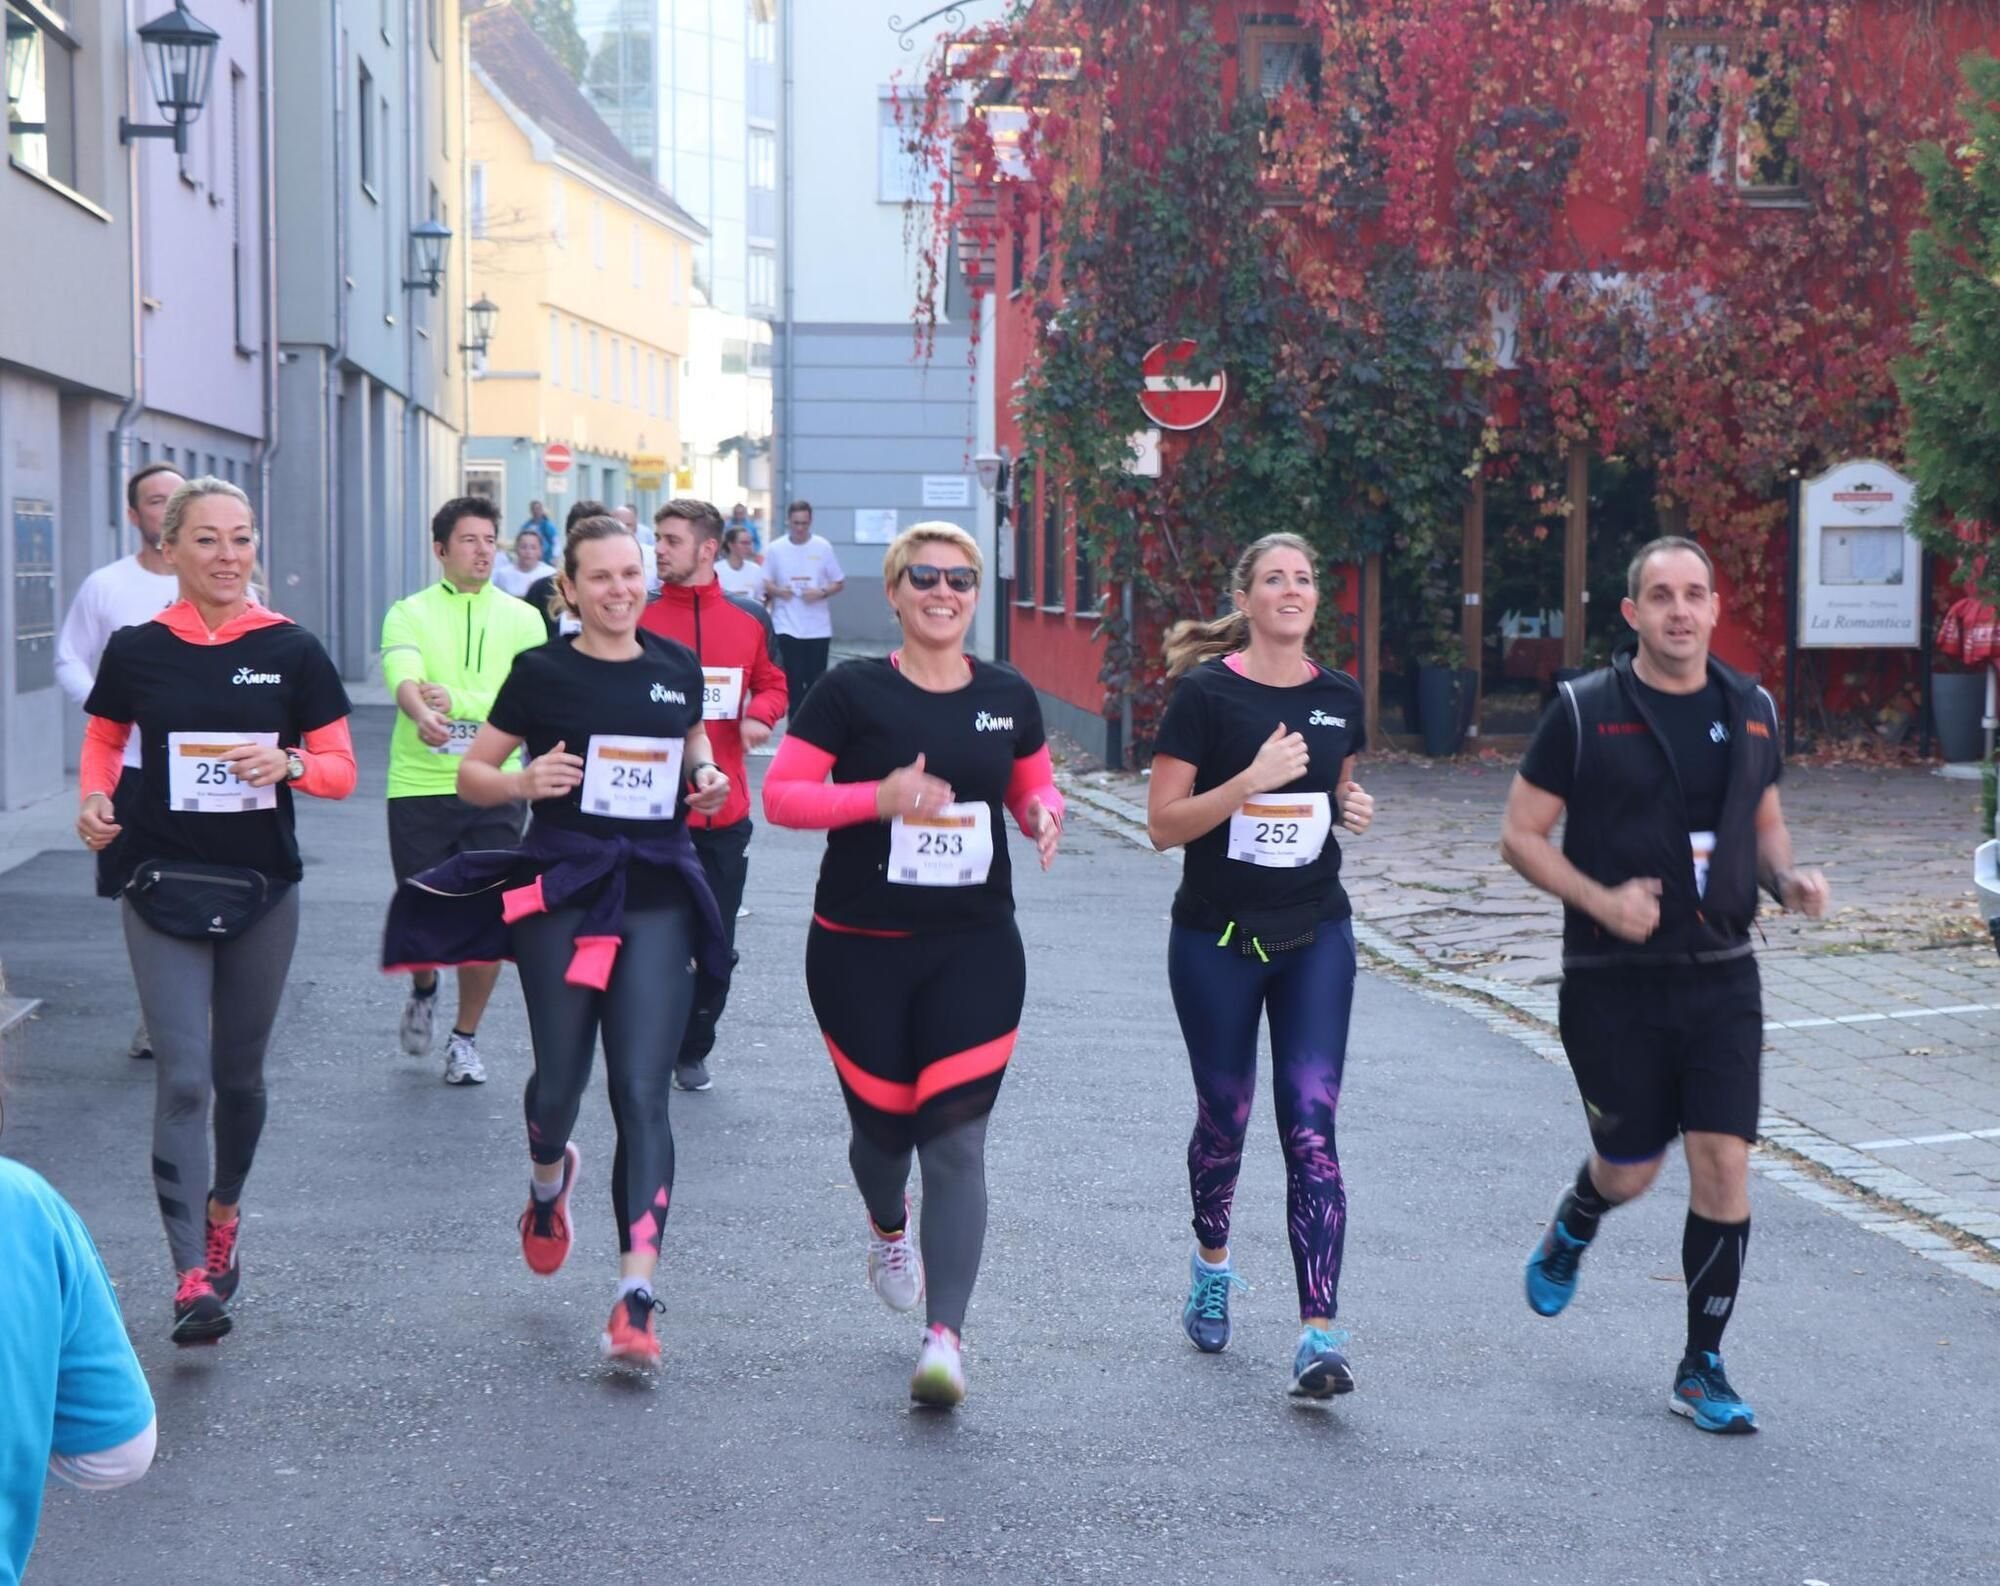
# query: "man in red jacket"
[743,697]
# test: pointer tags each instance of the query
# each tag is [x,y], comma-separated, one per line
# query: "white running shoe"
[419,1022]
[895,1270]
[461,1062]
[940,1375]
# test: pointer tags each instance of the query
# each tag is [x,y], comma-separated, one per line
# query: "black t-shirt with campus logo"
[873,720]
[1217,720]
[1696,729]
[274,679]
[558,694]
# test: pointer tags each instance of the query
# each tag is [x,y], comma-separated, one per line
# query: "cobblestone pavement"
[1882,1021]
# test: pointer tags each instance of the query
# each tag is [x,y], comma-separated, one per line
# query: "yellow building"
[590,266]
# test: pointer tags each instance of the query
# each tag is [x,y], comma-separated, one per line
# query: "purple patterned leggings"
[1220,995]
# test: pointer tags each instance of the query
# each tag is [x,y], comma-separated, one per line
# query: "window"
[597,233]
[475,197]
[617,373]
[1754,145]
[764,42]
[596,366]
[899,175]
[638,258]
[1086,575]
[575,356]
[652,386]
[364,120]
[41,95]
[632,371]
[1024,479]
[763,280]
[763,159]
[553,374]
[666,388]
[1052,547]
[1279,60]
[558,212]
[242,260]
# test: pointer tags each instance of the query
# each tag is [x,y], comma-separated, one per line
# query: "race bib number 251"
[200,781]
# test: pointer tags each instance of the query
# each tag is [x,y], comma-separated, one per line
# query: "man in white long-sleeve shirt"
[134,589]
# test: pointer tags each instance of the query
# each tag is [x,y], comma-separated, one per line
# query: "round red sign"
[1171,400]
[555,458]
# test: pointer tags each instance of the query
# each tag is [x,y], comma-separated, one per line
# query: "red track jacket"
[742,679]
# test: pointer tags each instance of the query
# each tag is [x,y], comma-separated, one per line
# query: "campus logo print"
[1718,732]
[985,723]
[1320,718]
[245,675]
[662,695]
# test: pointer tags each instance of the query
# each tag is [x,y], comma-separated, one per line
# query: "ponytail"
[1190,642]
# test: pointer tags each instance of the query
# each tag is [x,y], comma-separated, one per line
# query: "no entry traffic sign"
[555,458]
[1168,398]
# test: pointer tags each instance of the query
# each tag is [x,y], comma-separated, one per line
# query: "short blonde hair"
[193,491]
[903,549]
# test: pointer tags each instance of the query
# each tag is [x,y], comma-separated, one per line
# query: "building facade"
[591,267]
[140,334]
[692,88]
[370,144]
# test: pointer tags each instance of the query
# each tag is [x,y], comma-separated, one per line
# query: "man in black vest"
[1667,763]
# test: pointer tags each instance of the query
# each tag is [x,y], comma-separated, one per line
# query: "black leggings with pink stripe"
[643,1013]
[920,1029]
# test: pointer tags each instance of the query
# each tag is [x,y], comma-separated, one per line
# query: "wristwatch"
[295,765]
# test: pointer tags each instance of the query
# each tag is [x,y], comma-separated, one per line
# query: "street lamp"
[483,314]
[180,54]
[429,241]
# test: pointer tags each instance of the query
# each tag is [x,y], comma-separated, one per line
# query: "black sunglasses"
[924,576]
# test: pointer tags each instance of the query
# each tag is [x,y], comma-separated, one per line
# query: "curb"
[1962,1238]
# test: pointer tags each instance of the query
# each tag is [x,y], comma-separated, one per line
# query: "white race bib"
[952,847]
[199,782]
[462,734]
[1280,830]
[632,779]
[721,693]
[1703,844]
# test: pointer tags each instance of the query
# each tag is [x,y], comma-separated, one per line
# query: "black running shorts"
[1661,1051]
[426,829]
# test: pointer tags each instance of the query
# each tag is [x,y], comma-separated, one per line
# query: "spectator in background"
[755,524]
[545,526]
[542,592]
[740,577]
[526,568]
[800,577]
[739,518]
[643,532]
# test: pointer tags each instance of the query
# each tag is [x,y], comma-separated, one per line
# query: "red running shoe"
[198,1314]
[629,1334]
[223,1273]
[545,1224]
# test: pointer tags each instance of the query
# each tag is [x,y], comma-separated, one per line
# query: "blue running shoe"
[1551,1274]
[1702,1393]
[1206,1314]
[1319,1369]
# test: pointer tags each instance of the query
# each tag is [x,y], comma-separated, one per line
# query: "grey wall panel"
[886,383]
[882,347]
[943,421]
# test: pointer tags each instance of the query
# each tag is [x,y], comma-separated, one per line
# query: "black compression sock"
[1582,1206]
[1712,1261]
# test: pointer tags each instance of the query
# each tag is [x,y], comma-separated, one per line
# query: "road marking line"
[1927,1139]
[1876,1018]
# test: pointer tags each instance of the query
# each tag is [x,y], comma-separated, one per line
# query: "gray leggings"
[954,1226]
[209,1008]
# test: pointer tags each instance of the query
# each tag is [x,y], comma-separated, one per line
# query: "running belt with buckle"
[1260,933]
[179,897]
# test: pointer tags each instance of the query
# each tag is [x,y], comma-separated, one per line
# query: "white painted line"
[1928,1139]
[1876,1018]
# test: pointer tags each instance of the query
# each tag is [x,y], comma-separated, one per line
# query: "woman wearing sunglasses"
[913,962]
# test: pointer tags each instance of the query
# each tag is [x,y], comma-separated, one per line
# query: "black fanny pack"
[1264,933]
[178,897]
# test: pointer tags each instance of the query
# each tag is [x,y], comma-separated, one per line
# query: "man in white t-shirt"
[800,576]
[132,590]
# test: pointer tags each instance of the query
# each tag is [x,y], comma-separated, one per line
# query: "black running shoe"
[219,1258]
[199,1317]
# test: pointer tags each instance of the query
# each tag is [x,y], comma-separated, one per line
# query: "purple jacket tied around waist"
[458,912]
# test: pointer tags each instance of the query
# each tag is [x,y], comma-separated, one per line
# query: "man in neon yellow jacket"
[445,652]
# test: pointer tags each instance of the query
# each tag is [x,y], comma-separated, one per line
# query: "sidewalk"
[1882,1021]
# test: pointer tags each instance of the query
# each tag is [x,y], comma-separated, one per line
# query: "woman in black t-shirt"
[235,707]
[913,963]
[1252,773]
[611,721]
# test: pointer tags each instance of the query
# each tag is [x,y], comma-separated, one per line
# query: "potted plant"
[1446,688]
[1961,674]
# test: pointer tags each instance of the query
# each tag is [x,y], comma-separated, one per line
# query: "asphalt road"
[403,1402]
